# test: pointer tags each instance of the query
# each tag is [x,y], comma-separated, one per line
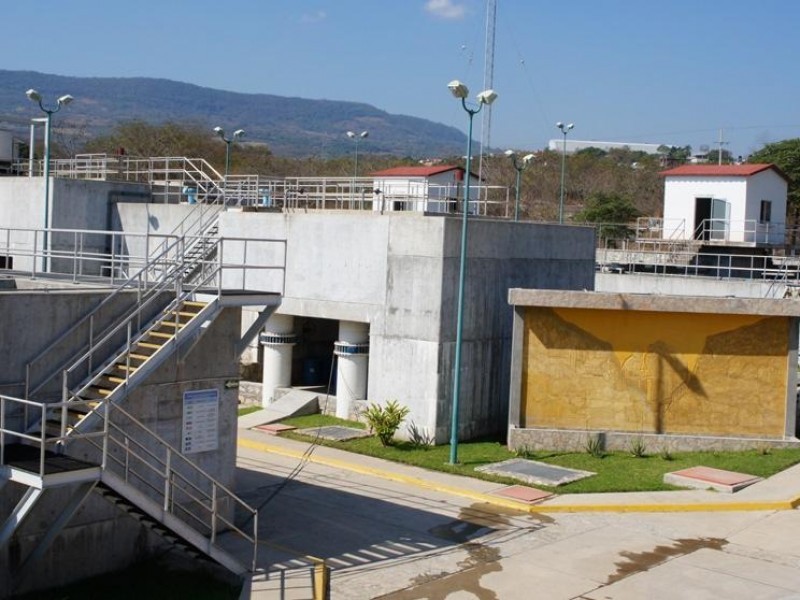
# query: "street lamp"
[35,96]
[228,141]
[486,97]
[564,129]
[356,137]
[519,168]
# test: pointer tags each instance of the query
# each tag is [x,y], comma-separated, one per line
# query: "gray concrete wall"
[29,323]
[101,538]
[399,273]
[74,204]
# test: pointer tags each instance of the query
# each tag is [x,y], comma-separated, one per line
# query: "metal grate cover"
[531,471]
[335,432]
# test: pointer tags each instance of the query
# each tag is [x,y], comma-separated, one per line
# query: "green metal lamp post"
[35,96]
[460,91]
[564,129]
[356,137]
[519,168]
[228,141]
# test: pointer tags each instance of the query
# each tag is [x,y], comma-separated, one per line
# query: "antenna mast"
[488,79]
[721,143]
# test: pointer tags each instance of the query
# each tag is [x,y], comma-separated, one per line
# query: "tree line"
[613,186]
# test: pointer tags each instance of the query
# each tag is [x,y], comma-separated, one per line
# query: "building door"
[702,217]
[720,215]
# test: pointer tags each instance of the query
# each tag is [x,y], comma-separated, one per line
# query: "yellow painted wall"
[702,374]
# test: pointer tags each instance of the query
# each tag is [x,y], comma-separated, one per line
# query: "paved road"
[394,540]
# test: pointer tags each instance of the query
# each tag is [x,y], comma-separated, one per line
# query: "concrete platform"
[294,403]
[708,478]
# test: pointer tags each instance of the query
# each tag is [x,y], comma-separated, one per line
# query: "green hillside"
[289,126]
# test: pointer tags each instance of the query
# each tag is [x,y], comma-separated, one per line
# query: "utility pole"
[721,143]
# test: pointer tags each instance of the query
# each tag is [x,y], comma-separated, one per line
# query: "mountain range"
[289,126]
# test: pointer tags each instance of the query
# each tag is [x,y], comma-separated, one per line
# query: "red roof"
[415,171]
[744,170]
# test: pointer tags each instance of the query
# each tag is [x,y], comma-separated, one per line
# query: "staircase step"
[124,367]
[149,345]
[162,335]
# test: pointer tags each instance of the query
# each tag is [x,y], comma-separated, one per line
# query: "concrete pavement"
[402,533]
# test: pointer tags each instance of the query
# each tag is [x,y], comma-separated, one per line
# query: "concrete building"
[368,294]
[704,374]
[573,146]
[437,188]
[725,204]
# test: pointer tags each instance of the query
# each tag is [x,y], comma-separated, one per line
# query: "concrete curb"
[542,507]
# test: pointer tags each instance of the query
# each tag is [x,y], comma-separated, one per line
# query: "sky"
[683,72]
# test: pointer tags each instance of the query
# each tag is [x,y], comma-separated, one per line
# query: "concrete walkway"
[397,532]
[780,492]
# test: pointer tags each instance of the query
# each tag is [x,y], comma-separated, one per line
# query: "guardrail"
[144,460]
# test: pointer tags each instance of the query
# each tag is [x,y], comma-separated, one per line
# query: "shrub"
[384,421]
[638,448]
[594,446]
[419,438]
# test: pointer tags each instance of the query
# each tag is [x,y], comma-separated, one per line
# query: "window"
[765,213]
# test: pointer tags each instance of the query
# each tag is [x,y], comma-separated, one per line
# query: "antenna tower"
[488,79]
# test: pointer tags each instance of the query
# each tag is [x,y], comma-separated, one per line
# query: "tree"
[675,155]
[713,157]
[611,212]
[786,156]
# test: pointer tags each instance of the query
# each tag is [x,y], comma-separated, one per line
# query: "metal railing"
[376,194]
[102,256]
[148,282]
[718,266]
[137,455]
[208,276]
[718,231]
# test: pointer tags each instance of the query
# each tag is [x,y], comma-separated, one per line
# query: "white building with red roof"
[725,204]
[431,189]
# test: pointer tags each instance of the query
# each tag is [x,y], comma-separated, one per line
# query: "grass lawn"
[246,410]
[615,472]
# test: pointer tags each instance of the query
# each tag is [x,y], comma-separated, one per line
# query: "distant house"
[725,204]
[432,189]
[573,146]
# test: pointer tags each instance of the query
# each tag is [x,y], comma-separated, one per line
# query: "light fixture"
[35,96]
[518,168]
[356,137]
[564,129]
[461,91]
[228,141]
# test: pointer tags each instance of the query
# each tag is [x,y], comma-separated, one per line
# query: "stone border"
[575,440]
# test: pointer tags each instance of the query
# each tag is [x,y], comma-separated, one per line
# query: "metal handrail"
[121,450]
[141,280]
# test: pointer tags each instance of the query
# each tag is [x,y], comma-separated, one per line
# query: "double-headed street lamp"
[486,97]
[519,168]
[356,137]
[564,129]
[228,141]
[35,96]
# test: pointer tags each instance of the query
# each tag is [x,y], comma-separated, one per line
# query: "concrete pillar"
[352,354]
[277,339]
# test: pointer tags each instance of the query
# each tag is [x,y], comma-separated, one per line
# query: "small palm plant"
[384,421]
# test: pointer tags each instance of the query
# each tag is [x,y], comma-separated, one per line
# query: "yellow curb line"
[765,505]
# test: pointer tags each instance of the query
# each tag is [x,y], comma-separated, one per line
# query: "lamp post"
[519,168]
[564,129]
[356,137]
[35,96]
[486,97]
[228,141]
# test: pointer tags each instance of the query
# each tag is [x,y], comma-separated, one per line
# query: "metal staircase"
[87,441]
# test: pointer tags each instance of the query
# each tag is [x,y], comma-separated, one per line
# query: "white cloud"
[314,17]
[446,9]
